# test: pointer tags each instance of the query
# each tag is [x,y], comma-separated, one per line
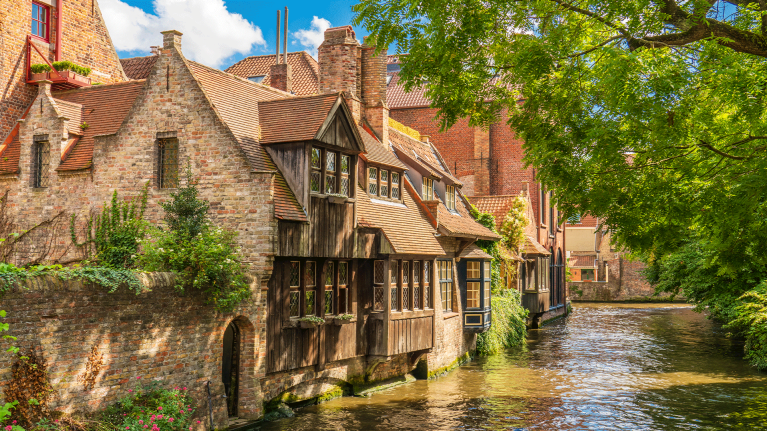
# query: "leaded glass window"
[329,275]
[168,163]
[41,162]
[384,183]
[378,285]
[344,175]
[427,285]
[295,292]
[395,185]
[330,168]
[393,279]
[343,291]
[315,176]
[373,181]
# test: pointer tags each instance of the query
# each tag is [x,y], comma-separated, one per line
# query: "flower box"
[308,324]
[340,322]
[337,199]
[64,74]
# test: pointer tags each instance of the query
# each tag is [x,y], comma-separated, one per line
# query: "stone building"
[336,214]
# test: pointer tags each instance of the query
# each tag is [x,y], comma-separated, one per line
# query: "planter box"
[309,325]
[341,322]
[337,199]
[65,74]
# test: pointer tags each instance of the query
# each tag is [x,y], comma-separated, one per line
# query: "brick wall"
[85,41]
[157,335]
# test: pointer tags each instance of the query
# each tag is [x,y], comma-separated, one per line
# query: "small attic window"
[257,79]
[388,79]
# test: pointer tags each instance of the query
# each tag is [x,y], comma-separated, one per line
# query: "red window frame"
[41,21]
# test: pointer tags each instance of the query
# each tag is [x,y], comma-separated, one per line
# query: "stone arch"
[248,395]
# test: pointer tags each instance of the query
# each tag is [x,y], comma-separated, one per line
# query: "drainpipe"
[59,24]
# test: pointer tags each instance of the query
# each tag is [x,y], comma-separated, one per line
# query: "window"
[330,276]
[405,285]
[487,281]
[310,283]
[523,275]
[395,185]
[257,79]
[473,288]
[329,172]
[41,157]
[295,289]
[384,183]
[574,219]
[378,285]
[417,285]
[450,197]
[587,274]
[427,285]
[552,224]
[427,192]
[168,161]
[40,20]
[543,204]
[373,181]
[393,289]
[446,283]
[542,274]
[343,290]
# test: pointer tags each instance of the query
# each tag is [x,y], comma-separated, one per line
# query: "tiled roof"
[463,224]
[375,151]
[138,67]
[294,119]
[423,154]
[474,252]
[304,68]
[405,226]
[9,154]
[396,97]
[104,108]
[498,206]
[237,102]
[581,261]
[532,246]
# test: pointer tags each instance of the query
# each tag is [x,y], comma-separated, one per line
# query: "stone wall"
[156,335]
[625,282]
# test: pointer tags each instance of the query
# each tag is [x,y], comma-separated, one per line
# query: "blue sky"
[221,32]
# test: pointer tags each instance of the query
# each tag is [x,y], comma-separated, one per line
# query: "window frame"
[446,285]
[46,24]
[323,173]
[379,285]
[330,270]
[379,183]
[450,197]
[40,167]
[427,189]
[474,278]
[161,162]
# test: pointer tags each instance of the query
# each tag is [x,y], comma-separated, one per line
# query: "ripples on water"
[606,367]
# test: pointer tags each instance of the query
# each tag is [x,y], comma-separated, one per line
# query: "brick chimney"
[281,77]
[338,58]
[373,91]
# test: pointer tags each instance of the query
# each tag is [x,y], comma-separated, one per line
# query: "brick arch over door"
[249,400]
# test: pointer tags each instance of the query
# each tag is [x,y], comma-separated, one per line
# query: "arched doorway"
[231,367]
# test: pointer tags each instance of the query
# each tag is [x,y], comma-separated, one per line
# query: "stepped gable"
[138,67]
[104,108]
[405,225]
[376,152]
[304,68]
[295,119]
[237,101]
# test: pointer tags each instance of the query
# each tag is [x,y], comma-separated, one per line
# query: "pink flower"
[170,420]
[127,428]
[189,409]
[198,421]
[14,422]
[139,377]
[54,421]
[9,428]
[159,417]
[190,428]
[130,390]
[184,387]
[153,416]
[146,426]
[159,408]
[141,422]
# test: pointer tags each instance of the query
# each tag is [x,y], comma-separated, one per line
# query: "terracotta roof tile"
[72,111]
[532,246]
[9,154]
[104,108]
[396,97]
[305,71]
[474,252]
[421,153]
[138,67]
[581,261]
[463,224]
[498,206]
[238,102]
[294,119]
[405,225]
[375,152]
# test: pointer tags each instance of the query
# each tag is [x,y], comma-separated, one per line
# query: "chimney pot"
[154,49]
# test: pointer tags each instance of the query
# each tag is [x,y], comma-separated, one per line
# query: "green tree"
[648,114]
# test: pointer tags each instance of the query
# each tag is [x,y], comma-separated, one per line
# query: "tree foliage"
[649,114]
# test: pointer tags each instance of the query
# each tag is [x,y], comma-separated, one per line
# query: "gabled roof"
[474,252]
[532,246]
[104,108]
[9,153]
[297,118]
[498,206]
[304,68]
[237,101]
[138,67]
[422,155]
[582,261]
[376,153]
[404,225]
[462,224]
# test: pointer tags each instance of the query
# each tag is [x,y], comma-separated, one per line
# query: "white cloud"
[312,38]
[211,33]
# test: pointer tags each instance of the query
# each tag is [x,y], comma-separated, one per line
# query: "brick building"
[336,214]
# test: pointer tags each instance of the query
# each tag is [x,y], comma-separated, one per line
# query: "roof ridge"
[306,96]
[231,75]
[133,58]
[270,55]
[99,87]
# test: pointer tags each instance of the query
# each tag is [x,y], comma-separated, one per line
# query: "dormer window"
[40,20]
[384,183]
[329,172]
[450,197]
[427,191]
[257,79]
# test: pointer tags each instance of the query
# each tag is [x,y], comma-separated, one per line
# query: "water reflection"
[606,367]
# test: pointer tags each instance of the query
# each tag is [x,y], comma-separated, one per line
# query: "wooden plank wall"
[409,335]
[331,232]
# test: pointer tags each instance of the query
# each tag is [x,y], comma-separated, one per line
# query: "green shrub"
[508,328]
[204,256]
[110,278]
[40,68]
[113,236]
[151,408]
[60,66]
[751,320]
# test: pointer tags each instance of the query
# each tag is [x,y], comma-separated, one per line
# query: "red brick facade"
[85,42]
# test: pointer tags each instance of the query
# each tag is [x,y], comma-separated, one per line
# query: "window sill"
[411,314]
[450,315]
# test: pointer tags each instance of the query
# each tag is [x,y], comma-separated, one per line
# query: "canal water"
[607,366]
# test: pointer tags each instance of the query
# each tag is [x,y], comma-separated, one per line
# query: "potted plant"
[342,319]
[309,322]
[337,198]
